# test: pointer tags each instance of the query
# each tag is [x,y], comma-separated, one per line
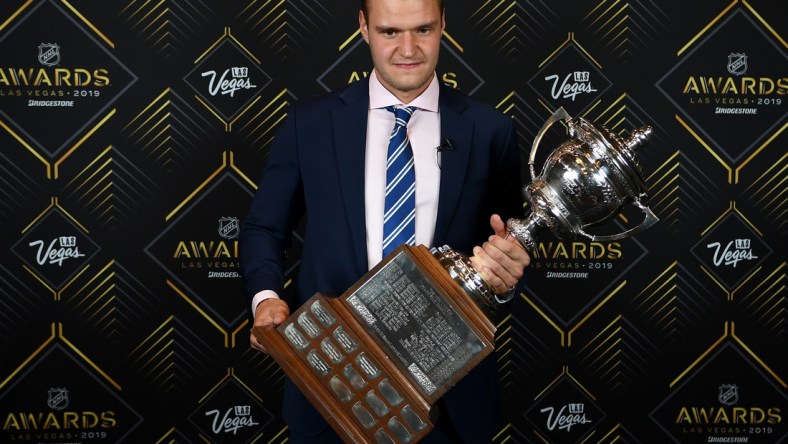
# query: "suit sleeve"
[276,209]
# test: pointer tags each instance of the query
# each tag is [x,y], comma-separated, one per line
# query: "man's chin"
[410,85]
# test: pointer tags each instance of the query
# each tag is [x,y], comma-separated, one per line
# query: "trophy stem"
[524,230]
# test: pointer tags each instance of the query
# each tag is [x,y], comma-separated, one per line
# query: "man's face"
[404,38]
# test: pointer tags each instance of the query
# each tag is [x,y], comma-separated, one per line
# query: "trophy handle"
[559,114]
[649,220]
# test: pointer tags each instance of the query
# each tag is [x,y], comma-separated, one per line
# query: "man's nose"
[408,46]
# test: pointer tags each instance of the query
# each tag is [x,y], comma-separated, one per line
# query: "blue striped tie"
[399,216]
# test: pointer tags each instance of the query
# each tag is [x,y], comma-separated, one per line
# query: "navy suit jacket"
[316,169]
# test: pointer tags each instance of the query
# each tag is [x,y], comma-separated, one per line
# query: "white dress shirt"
[424,134]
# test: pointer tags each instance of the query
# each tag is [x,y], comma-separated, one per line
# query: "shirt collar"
[380,97]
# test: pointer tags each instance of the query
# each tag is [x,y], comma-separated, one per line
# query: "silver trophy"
[584,182]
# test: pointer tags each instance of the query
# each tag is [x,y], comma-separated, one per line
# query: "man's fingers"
[498,226]
[269,314]
[492,271]
[256,345]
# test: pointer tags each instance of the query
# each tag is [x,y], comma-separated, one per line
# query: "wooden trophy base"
[374,360]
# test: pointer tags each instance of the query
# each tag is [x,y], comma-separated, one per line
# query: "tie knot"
[401,115]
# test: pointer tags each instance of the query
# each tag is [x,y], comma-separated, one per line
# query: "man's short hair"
[366,11]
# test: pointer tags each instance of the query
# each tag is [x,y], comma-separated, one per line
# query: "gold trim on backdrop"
[82,140]
[725,11]
[229,125]
[85,358]
[611,325]
[98,274]
[610,433]
[15,14]
[144,110]
[729,332]
[87,22]
[59,293]
[228,160]
[502,432]
[100,157]
[731,209]
[453,42]
[758,151]
[202,312]
[166,436]
[670,166]
[272,113]
[593,311]
[707,27]
[504,100]
[707,147]
[213,45]
[764,23]
[753,274]
[151,336]
[719,284]
[35,353]
[35,153]
[770,175]
[52,204]
[756,357]
[242,327]
[344,44]
[701,357]
[278,435]
[565,373]
[545,317]
[614,113]
[199,187]
[57,332]
[662,292]
[571,38]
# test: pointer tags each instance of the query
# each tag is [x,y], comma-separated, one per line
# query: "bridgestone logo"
[736,110]
[223,274]
[728,439]
[566,275]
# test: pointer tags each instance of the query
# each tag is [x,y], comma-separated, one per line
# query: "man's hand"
[501,260]
[270,313]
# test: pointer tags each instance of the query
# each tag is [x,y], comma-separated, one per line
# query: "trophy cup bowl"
[584,182]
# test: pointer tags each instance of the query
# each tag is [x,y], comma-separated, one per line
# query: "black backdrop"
[134,132]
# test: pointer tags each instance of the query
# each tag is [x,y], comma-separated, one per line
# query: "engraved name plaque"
[376,359]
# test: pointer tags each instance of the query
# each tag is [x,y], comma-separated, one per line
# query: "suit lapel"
[454,162]
[349,123]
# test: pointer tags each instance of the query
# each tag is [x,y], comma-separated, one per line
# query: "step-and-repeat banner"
[133,134]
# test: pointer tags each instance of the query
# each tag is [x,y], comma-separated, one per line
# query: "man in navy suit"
[327,164]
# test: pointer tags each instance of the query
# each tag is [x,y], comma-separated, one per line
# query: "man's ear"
[362,26]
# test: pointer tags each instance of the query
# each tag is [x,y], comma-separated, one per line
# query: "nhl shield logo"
[58,398]
[737,63]
[729,394]
[49,54]
[229,227]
